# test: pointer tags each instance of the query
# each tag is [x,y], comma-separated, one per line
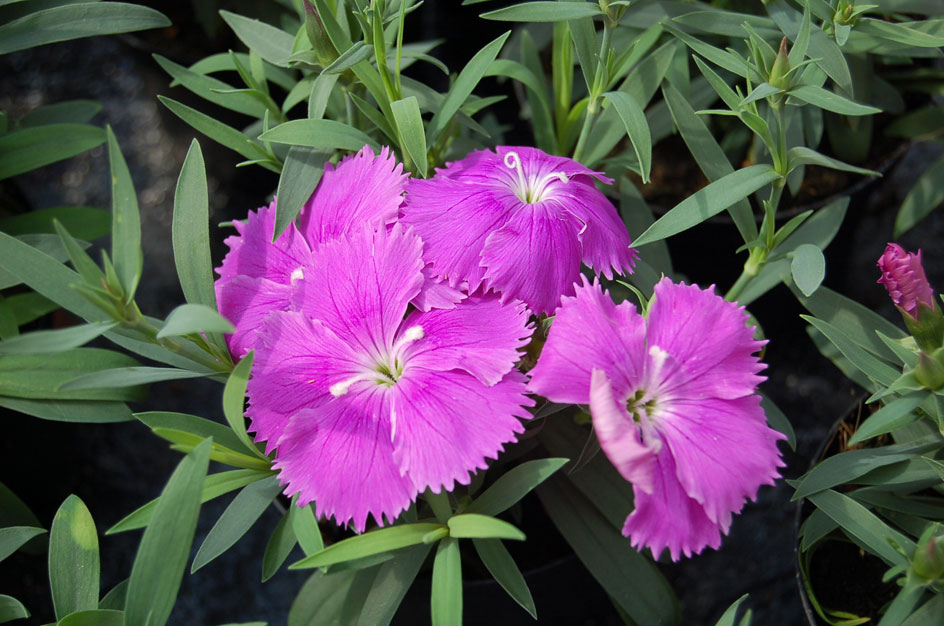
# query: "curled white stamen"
[297,274]
[530,193]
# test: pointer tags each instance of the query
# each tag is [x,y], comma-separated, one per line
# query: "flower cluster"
[387,326]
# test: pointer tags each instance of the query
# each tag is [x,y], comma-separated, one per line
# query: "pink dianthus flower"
[367,402]
[904,278]
[673,398]
[518,221]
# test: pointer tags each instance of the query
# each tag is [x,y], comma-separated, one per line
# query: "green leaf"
[609,557]
[462,88]
[890,417]
[224,62]
[319,95]
[126,221]
[730,615]
[327,134]
[808,268]
[214,486]
[406,113]
[120,377]
[846,467]
[31,148]
[234,397]
[83,222]
[370,543]
[280,544]
[503,569]
[898,33]
[185,442]
[301,173]
[637,128]
[306,530]
[60,340]
[198,426]
[69,112]
[926,194]
[37,376]
[330,599]
[390,586]
[446,596]
[28,307]
[237,519]
[11,609]
[544,12]
[800,155]
[12,538]
[13,512]
[930,614]
[861,524]
[777,420]
[709,155]
[73,559]
[213,90]
[830,101]
[191,319]
[514,485]
[349,58]
[719,57]
[709,201]
[828,54]
[162,554]
[81,261]
[93,617]
[864,361]
[219,132]
[76,21]
[473,525]
[191,232]
[271,43]
[87,411]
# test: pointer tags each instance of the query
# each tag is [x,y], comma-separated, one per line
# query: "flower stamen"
[530,191]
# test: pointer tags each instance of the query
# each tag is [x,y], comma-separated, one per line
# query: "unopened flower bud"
[904,278]
[928,561]
[778,71]
[318,36]
[929,372]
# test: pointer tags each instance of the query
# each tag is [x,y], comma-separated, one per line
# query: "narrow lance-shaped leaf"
[830,101]
[473,525]
[248,505]
[73,559]
[126,377]
[11,609]
[162,554]
[468,78]
[191,230]
[12,538]
[126,221]
[634,120]
[514,485]
[446,595]
[393,580]
[709,201]
[234,398]
[544,12]
[373,542]
[301,172]
[31,148]
[926,194]
[890,417]
[319,134]
[280,544]
[191,319]
[271,43]
[808,268]
[75,21]
[406,113]
[44,341]
[503,569]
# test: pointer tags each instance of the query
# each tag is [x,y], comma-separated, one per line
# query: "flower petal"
[454,219]
[436,294]
[363,189]
[535,257]
[340,455]
[619,436]
[253,253]
[604,240]
[297,361]
[668,518]
[360,285]
[709,339]
[723,450]
[590,331]
[246,302]
[480,335]
[445,424]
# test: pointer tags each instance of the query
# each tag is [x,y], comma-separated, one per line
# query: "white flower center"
[384,369]
[531,190]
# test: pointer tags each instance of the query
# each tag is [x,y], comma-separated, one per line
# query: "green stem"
[439,502]
[599,86]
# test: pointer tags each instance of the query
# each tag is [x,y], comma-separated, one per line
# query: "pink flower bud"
[904,278]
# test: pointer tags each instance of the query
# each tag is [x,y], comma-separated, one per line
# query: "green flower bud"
[929,371]
[318,36]
[928,561]
[778,71]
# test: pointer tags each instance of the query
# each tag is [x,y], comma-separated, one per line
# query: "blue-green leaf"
[73,559]
[126,221]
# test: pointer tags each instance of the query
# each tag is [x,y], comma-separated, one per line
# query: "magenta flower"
[674,406]
[904,278]
[257,274]
[368,405]
[519,222]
